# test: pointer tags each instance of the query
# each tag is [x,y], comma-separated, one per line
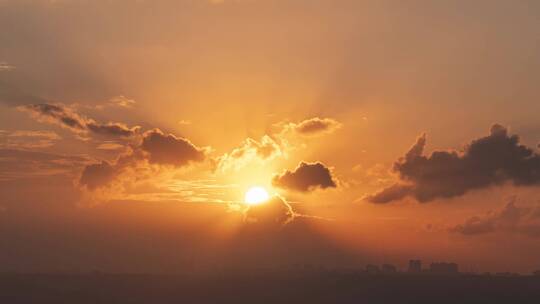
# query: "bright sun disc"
[256,195]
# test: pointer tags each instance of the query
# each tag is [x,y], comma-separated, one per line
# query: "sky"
[383,131]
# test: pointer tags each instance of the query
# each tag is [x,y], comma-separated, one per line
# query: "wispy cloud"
[66,117]
[26,139]
[4,66]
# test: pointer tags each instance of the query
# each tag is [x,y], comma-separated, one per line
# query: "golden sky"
[130,131]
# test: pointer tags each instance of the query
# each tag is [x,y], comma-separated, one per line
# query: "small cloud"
[122,101]
[184,122]
[250,150]
[4,66]
[97,175]
[167,149]
[110,146]
[306,177]
[314,126]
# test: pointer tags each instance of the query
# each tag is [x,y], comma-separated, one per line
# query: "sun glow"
[256,195]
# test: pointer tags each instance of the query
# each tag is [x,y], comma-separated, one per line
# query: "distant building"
[443,268]
[387,268]
[415,266]
[372,269]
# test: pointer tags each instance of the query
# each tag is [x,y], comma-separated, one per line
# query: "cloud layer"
[65,117]
[510,218]
[306,177]
[487,161]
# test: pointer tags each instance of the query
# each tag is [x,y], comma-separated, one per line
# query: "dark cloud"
[315,126]
[57,114]
[67,118]
[391,193]
[97,175]
[170,150]
[487,161]
[111,129]
[510,218]
[306,177]
[155,148]
[276,211]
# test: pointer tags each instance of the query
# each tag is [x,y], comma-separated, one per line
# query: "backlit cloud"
[275,211]
[306,177]
[314,126]
[250,150]
[167,149]
[122,101]
[487,161]
[97,175]
[156,148]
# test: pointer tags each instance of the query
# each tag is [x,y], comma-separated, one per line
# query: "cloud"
[111,129]
[25,139]
[276,211]
[170,150]
[108,145]
[391,193]
[97,175]
[4,66]
[275,144]
[122,101]
[250,150]
[156,148]
[65,117]
[510,218]
[314,126]
[487,161]
[306,177]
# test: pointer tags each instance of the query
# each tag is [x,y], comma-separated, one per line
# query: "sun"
[256,195]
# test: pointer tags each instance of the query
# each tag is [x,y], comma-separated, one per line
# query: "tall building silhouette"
[372,269]
[415,266]
[387,268]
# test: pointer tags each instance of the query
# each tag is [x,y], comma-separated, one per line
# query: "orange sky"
[131,130]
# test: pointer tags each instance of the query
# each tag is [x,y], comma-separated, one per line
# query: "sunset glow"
[256,195]
[229,136]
